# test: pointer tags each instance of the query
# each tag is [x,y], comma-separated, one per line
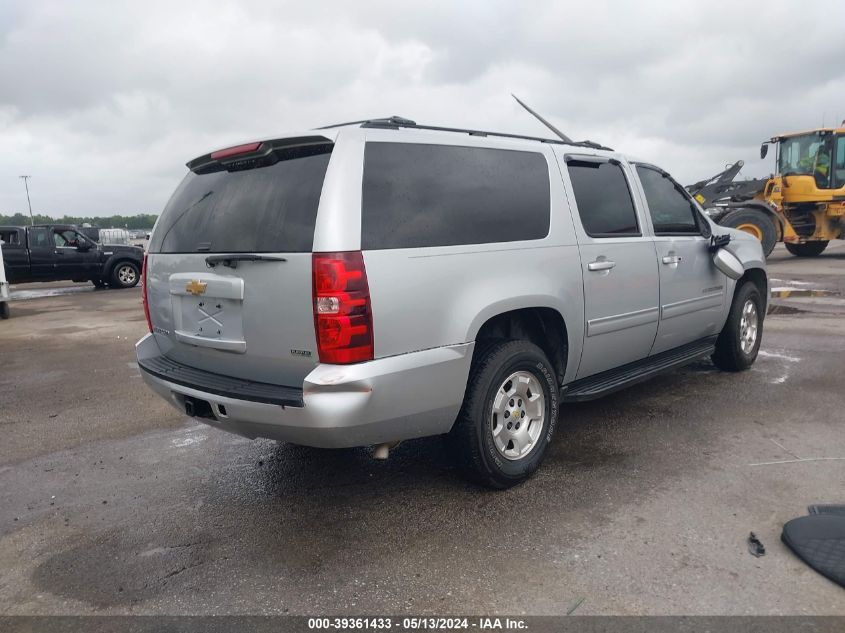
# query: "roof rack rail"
[396,122]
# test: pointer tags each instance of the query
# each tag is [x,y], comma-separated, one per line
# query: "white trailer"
[4,288]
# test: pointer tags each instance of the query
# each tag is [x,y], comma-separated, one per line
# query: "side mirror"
[83,246]
[723,259]
[764,150]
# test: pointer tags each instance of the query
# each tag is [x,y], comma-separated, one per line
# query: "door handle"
[601,264]
[672,259]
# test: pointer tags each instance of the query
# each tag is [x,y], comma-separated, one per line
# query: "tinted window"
[10,238]
[439,195]
[40,238]
[603,199]
[265,209]
[671,211]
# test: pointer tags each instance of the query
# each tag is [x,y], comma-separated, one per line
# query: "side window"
[839,167]
[39,238]
[417,195]
[66,239]
[10,238]
[59,239]
[603,198]
[671,211]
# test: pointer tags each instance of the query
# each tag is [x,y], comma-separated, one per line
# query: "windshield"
[808,154]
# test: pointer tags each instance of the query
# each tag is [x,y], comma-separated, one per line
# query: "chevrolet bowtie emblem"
[196,287]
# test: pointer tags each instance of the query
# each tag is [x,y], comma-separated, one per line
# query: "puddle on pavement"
[22,295]
[779,309]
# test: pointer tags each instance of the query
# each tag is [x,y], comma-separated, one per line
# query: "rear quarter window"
[417,195]
[265,209]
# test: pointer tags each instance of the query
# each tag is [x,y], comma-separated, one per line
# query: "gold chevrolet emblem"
[196,287]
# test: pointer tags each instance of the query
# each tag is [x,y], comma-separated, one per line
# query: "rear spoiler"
[259,154]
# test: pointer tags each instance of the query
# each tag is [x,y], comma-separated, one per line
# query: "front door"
[71,263]
[692,290]
[621,301]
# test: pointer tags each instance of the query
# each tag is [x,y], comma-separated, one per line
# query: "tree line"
[140,221]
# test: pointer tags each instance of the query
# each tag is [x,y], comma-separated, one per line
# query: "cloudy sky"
[103,102]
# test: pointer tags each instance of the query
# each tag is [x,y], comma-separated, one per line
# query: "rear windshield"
[262,210]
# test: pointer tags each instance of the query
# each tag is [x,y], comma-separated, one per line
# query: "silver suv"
[381,281]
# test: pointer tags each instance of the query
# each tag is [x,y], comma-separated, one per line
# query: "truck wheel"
[508,416]
[125,275]
[808,249]
[4,310]
[756,223]
[739,340]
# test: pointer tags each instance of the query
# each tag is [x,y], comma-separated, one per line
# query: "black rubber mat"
[838,510]
[819,540]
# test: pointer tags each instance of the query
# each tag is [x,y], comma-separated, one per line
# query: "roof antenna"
[557,132]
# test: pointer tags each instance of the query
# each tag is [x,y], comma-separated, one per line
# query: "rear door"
[232,316]
[42,253]
[692,290]
[620,276]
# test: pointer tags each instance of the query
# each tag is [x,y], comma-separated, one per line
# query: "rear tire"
[756,223]
[509,414]
[739,341]
[4,310]
[125,275]
[808,249]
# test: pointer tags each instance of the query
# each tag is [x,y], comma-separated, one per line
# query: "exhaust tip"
[382,451]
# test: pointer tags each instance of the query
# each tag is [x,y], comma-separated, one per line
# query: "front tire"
[125,275]
[808,249]
[739,341]
[4,310]
[508,416]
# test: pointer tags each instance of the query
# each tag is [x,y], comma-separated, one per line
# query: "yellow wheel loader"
[802,204]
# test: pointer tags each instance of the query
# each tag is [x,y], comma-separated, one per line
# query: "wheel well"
[544,327]
[757,276]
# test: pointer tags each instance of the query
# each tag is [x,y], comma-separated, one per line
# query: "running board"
[606,382]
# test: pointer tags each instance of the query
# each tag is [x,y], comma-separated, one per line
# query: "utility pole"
[26,184]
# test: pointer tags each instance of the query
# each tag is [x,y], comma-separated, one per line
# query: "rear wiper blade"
[232,260]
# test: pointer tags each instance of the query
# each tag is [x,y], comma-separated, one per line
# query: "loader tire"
[756,223]
[808,249]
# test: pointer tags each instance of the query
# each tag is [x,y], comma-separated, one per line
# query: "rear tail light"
[343,319]
[144,292]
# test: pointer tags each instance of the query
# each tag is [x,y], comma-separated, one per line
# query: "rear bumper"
[385,400]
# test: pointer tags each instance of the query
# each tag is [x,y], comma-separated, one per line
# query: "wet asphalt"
[112,502]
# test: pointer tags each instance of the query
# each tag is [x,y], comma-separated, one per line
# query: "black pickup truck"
[52,252]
